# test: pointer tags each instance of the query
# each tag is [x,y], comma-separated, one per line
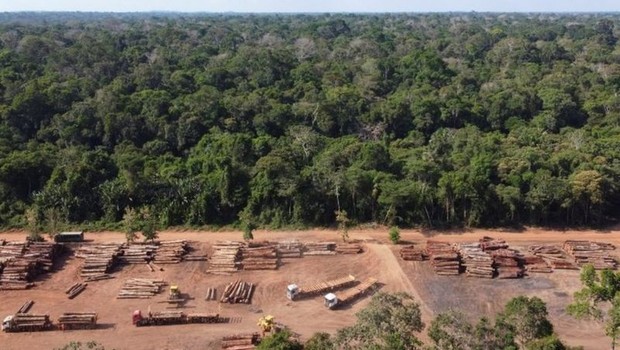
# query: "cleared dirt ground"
[477,297]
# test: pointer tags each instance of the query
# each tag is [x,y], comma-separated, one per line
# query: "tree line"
[292,120]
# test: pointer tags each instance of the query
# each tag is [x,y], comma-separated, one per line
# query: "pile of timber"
[211,294]
[508,263]
[554,256]
[349,248]
[75,289]
[240,341]
[444,259]
[17,274]
[320,248]
[32,320]
[26,307]
[99,277]
[171,252]
[140,288]
[477,262]
[238,292]
[99,259]
[137,253]
[21,262]
[413,253]
[44,253]
[263,257]
[194,254]
[12,249]
[225,258]
[594,253]
[289,249]
[535,263]
[77,320]
[489,243]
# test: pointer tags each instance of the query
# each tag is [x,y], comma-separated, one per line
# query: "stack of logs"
[508,262]
[594,253]
[22,262]
[444,259]
[26,307]
[171,252]
[44,253]
[238,292]
[554,256]
[211,294]
[289,249]
[477,262]
[240,341]
[194,254]
[320,248]
[535,263]
[70,320]
[225,258]
[349,248]
[12,249]
[75,289]
[99,259]
[489,243]
[412,253]
[140,288]
[137,253]
[259,256]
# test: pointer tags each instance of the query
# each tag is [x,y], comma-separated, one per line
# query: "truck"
[77,320]
[332,300]
[172,317]
[76,236]
[26,323]
[296,292]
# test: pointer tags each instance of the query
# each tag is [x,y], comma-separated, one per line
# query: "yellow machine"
[175,294]
[267,324]
[175,297]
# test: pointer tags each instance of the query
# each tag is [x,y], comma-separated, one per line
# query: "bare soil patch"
[477,297]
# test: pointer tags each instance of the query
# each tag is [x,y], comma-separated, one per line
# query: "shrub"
[394,234]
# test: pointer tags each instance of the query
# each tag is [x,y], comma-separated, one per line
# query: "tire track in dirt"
[392,272]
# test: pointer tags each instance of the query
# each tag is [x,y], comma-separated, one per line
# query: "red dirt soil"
[436,293]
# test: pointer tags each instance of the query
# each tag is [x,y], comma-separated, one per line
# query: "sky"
[313,5]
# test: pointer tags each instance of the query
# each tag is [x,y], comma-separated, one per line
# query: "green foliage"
[528,317]
[148,224]
[33,225]
[343,224]
[407,119]
[139,221]
[76,345]
[394,234]
[320,341]
[388,322]
[280,341]
[599,288]
[248,228]
[551,342]
[452,331]
[131,224]
[53,221]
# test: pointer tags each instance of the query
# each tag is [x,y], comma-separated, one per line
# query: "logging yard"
[90,290]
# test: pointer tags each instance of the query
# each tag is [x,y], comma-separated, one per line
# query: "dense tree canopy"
[430,119]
